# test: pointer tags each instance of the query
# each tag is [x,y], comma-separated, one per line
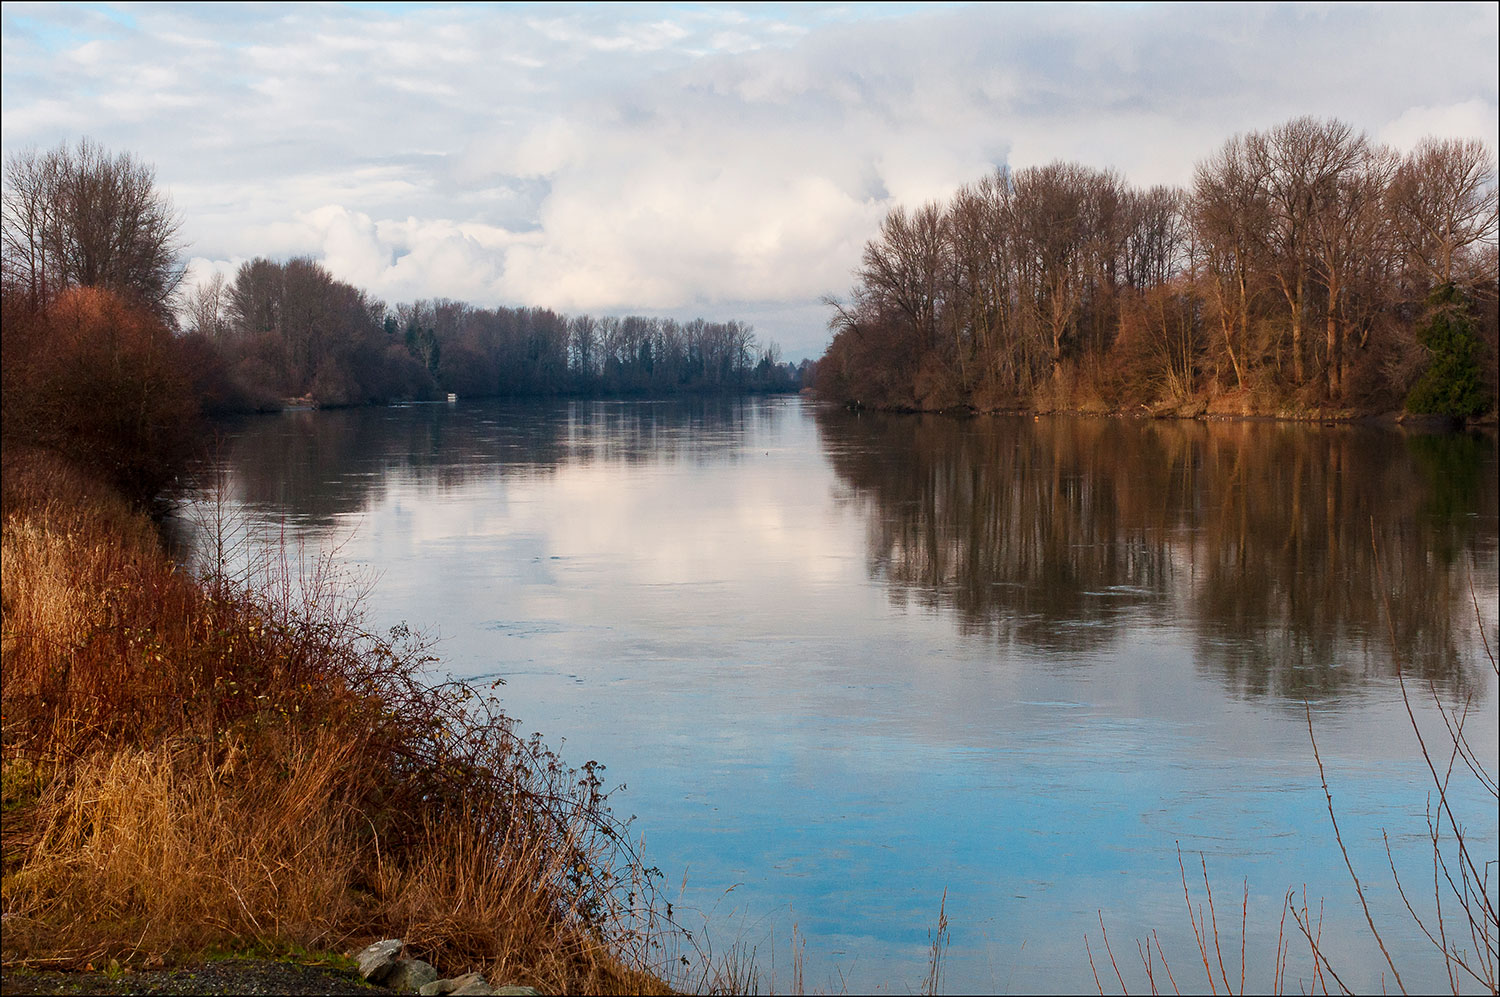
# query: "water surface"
[845,663]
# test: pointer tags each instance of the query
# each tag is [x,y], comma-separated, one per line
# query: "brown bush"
[103,384]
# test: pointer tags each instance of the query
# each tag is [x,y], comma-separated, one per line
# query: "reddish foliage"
[104,384]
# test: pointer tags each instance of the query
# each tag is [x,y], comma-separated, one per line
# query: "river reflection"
[1288,547]
[846,663]
[319,466]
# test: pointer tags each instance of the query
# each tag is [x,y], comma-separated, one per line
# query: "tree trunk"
[1335,384]
[1298,369]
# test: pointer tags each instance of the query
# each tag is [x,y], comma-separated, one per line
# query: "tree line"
[108,362]
[290,329]
[1306,267]
[82,217]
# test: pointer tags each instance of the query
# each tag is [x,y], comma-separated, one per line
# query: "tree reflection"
[313,467]
[1277,545]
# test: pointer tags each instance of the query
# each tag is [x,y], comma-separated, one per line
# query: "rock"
[469,983]
[410,976]
[377,961]
[477,985]
[511,990]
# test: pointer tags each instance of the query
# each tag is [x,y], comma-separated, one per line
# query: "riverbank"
[233,762]
[1203,410]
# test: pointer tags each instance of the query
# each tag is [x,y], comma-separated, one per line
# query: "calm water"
[847,663]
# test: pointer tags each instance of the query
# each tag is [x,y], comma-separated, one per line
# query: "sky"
[684,160]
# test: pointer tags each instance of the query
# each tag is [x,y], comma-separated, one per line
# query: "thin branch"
[1202,946]
[1112,962]
[1320,961]
[1338,836]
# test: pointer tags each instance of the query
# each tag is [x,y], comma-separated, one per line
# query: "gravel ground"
[228,976]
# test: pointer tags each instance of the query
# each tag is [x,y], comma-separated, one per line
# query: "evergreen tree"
[1452,384]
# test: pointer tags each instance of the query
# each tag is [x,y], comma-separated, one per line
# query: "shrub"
[1452,384]
[103,384]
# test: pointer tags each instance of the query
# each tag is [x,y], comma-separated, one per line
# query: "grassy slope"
[192,764]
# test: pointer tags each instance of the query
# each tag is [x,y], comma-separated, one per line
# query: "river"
[847,664]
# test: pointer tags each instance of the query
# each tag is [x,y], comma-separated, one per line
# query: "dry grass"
[136,846]
[192,764]
[933,985]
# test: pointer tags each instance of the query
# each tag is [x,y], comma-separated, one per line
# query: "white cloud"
[549,148]
[200,269]
[685,159]
[89,53]
[1470,118]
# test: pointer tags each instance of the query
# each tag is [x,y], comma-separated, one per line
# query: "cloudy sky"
[724,161]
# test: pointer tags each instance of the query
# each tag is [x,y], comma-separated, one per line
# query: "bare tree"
[1348,228]
[1051,219]
[1301,161]
[207,307]
[981,300]
[254,298]
[905,265]
[29,214]
[79,216]
[1155,238]
[583,346]
[1444,203]
[1230,208]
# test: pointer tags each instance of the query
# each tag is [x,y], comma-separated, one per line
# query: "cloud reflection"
[780,627]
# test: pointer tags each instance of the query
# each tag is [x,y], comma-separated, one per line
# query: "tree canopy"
[79,216]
